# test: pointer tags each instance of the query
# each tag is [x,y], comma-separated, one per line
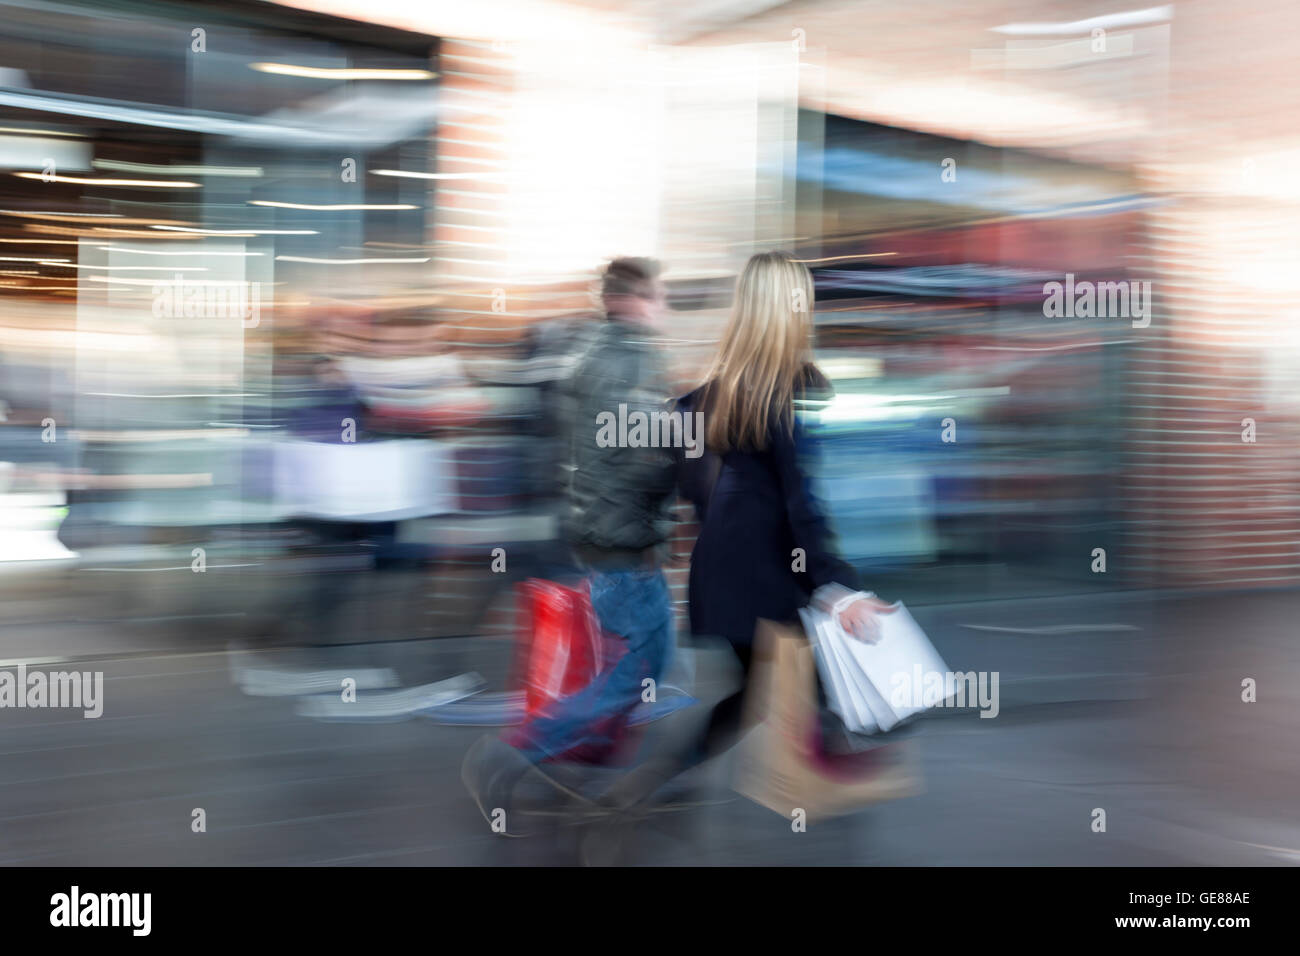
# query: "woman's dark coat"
[752,518]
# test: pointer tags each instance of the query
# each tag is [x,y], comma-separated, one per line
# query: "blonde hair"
[766,344]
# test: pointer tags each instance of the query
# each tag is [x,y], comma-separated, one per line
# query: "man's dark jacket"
[618,497]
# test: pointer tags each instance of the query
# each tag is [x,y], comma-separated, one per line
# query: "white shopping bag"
[845,697]
[875,686]
[364,481]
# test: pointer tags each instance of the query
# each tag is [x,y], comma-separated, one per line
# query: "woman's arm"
[835,583]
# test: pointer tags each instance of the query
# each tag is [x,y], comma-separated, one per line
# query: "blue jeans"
[633,605]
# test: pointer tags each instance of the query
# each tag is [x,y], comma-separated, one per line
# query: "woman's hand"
[861,618]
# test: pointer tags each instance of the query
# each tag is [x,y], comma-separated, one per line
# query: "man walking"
[616,522]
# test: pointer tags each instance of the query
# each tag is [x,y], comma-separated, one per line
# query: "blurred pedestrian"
[616,522]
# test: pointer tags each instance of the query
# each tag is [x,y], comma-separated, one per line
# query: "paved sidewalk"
[1130,704]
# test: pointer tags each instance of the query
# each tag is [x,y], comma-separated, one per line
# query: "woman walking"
[764,549]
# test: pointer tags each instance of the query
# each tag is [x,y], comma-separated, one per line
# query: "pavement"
[1127,702]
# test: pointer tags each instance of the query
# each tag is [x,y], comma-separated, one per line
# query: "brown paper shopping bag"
[782,764]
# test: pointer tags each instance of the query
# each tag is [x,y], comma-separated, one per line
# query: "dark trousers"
[724,724]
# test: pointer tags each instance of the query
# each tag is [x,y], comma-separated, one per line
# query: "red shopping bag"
[562,649]
[561,645]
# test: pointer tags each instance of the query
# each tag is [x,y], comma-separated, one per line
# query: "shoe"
[636,787]
[491,771]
